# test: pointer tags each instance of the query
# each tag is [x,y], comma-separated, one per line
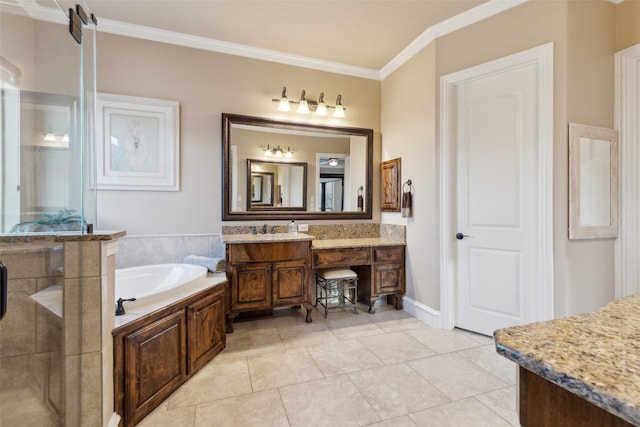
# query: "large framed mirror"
[593,182]
[283,170]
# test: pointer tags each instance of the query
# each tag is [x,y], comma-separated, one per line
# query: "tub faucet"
[264,229]
[120,307]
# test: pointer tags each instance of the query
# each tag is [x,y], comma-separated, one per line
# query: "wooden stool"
[340,283]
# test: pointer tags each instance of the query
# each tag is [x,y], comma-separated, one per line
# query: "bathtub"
[150,282]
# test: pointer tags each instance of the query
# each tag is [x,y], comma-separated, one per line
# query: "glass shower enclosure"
[47,107]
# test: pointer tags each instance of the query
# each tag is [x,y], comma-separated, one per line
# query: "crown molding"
[212,45]
[455,23]
[464,19]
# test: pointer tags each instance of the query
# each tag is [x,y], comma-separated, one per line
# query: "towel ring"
[407,184]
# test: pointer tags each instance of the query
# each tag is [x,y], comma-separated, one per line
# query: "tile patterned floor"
[385,369]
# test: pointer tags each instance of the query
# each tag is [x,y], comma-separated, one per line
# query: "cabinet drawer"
[268,252]
[388,254]
[341,257]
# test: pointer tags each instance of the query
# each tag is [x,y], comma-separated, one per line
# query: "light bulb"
[49,137]
[303,107]
[339,111]
[284,101]
[322,107]
[267,151]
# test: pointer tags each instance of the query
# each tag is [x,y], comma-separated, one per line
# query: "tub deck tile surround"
[595,356]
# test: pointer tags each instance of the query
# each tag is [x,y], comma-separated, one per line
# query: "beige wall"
[583,34]
[627,24]
[208,84]
[409,132]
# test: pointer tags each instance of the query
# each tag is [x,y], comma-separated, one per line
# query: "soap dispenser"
[293,228]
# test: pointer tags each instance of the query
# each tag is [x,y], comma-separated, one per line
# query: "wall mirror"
[303,171]
[593,182]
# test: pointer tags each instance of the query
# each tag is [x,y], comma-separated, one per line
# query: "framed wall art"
[138,145]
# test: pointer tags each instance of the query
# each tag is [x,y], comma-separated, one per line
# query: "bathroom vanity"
[379,263]
[580,370]
[267,271]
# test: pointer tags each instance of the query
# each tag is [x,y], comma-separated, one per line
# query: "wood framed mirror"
[593,182]
[301,157]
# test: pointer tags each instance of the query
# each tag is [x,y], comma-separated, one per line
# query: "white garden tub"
[150,282]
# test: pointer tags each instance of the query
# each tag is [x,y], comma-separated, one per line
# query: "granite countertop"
[353,243]
[595,356]
[63,236]
[265,238]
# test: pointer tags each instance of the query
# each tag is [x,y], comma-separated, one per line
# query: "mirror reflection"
[595,189]
[276,185]
[315,171]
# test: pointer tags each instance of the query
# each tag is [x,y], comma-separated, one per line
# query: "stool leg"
[354,296]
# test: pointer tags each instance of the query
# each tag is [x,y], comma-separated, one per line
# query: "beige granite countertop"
[67,236]
[353,243]
[595,356]
[265,238]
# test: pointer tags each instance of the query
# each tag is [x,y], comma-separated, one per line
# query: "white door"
[496,140]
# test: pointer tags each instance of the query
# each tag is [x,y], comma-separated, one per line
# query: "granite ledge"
[595,356]
[353,243]
[61,237]
[265,238]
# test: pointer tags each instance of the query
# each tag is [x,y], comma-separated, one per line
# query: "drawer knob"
[389,254]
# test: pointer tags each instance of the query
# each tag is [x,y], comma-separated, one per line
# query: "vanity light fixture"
[50,137]
[321,110]
[307,105]
[303,106]
[284,101]
[339,111]
[277,152]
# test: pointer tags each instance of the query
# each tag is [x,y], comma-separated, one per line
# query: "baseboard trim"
[422,312]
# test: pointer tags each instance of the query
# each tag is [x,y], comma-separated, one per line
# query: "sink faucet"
[264,229]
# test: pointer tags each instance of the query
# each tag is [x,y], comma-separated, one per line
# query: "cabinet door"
[251,288]
[290,282]
[206,327]
[156,365]
[388,278]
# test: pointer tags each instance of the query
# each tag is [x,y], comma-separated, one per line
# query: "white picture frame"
[138,146]
[594,182]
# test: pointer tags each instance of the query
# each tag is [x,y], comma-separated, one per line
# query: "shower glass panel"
[47,108]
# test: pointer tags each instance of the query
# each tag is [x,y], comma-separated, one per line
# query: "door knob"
[461,236]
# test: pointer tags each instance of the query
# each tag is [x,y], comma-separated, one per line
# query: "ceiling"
[356,33]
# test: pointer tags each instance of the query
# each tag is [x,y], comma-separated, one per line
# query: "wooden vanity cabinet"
[268,275]
[156,354]
[380,269]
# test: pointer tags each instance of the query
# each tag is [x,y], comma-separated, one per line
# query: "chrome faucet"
[264,229]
